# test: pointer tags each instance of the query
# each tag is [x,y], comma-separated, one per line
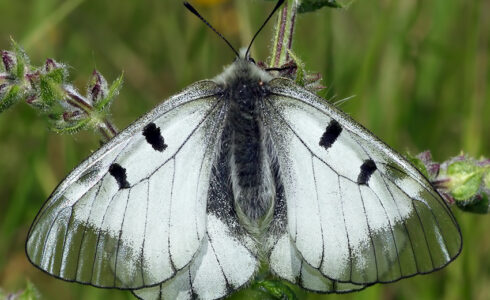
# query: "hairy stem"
[283,37]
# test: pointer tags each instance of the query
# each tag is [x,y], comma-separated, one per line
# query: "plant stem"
[283,38]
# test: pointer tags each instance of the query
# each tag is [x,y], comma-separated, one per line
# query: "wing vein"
[426,205]
[391,230]
[228,286]
[346,230]
[144,234]
[120,235]
[439,199]
[404,223]
[172,264]
[64,239]
[49,231]
[85,227]
[98,234]
[45,209]
[425,235]
[191,286]
[319,212]
[370,233]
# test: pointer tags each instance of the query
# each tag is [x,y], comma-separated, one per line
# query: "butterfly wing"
[357,211]
[222,265]
[134,213]
[287,263]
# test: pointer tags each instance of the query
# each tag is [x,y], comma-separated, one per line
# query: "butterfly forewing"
[133,214]
[357,211]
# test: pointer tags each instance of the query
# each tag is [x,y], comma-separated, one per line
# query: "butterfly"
[244,170]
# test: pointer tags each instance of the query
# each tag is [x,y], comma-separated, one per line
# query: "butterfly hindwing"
[286,262]
[134,213]
[222,265]
[357,211]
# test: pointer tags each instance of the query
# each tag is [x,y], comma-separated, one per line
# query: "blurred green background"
[419,71]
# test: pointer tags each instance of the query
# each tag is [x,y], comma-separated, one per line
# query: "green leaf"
[22,60]
[276,289]
[50,89]
[113,92]
[10,98]
[57,75]
[312,5]
[72,127]
[465,181]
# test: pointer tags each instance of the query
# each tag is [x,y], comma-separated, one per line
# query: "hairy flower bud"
[97,88]
[50,65]
[9,60]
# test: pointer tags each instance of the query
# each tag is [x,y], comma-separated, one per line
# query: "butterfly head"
[243,69]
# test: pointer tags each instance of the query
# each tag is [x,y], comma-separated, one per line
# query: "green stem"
[283,38]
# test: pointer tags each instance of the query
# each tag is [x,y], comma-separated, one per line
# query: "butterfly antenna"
[194,11]
[279,3]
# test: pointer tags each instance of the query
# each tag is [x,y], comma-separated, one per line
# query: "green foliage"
[276,289]
[21,61]
[50,91]
[104,103]
[9,97]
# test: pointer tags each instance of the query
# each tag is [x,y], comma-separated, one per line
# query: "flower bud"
[431,167]
[73,116]
[9,60]
[50,65]
[97,88]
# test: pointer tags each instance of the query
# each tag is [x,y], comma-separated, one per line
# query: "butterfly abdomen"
[251,176]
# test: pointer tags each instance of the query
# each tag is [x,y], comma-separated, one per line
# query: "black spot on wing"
[367,169]
[119,173]
[331,134]
[154,137]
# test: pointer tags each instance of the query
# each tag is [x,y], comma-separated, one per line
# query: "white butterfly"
[243,169]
